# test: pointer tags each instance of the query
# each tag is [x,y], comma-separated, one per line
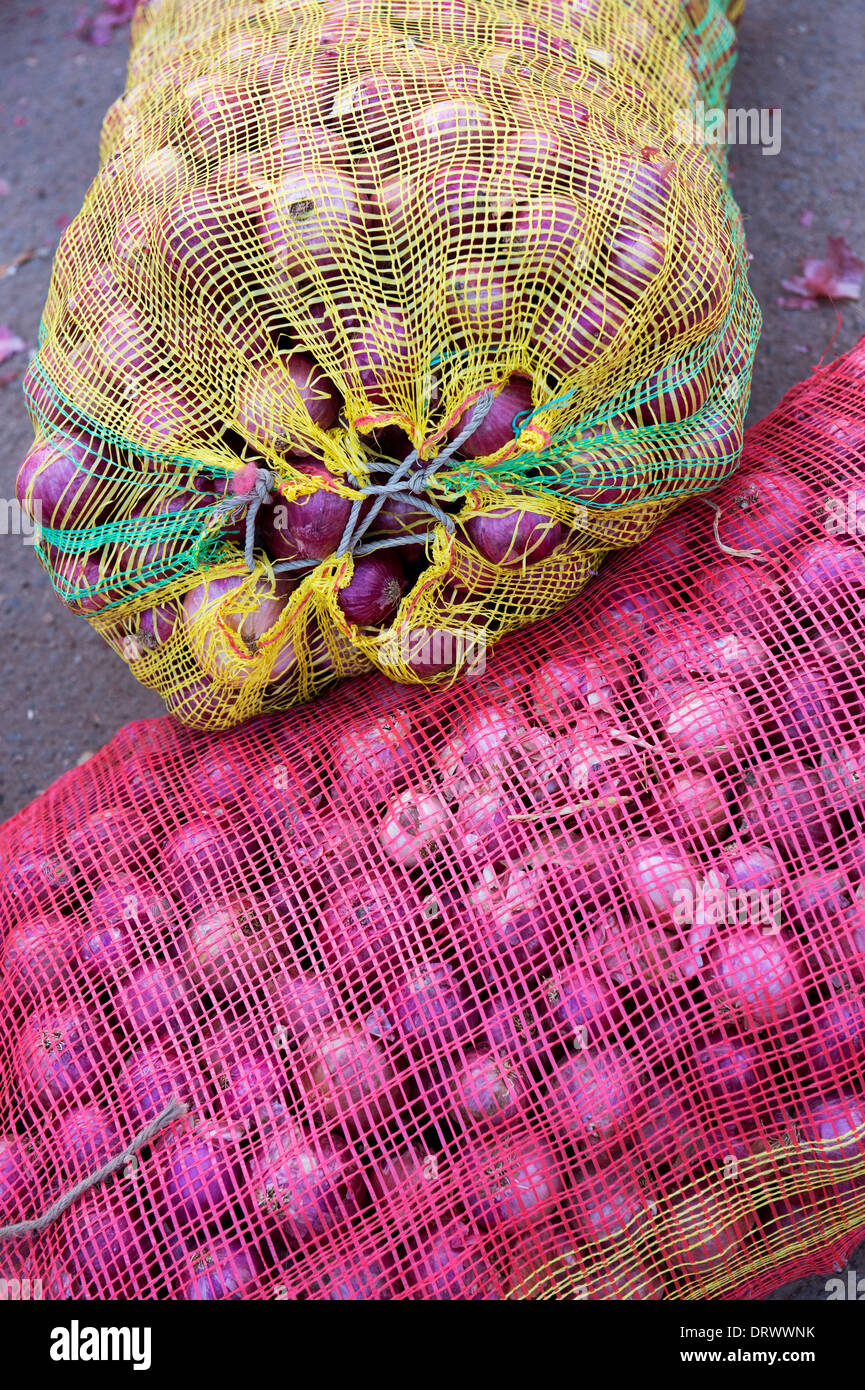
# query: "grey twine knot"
[403,482]
[174,1110]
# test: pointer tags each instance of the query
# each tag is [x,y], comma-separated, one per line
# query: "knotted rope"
[403,482]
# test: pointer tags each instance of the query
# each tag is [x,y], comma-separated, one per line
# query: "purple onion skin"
[374,590]
[223,1273]
[107,1247]
[511,538]
[66,486]
[510,1184]
[498,428]
[301,1004]
[839,1035]
[309,528]
[153,1002]
[302,1184]
[64,1058]
[427,1011]
[451,1264]
[37,960]
[153,1077]
[83,1139]
[202,1175]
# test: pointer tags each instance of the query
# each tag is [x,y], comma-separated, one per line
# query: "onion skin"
[449,1263]
[302,1185]
[374,590]
[304,217]
[764,510]
[755,978]
[511,1184]
[269,400]
[500,425]
[511,538]
[59,486]
[309,528]
[226,630]
[573,336]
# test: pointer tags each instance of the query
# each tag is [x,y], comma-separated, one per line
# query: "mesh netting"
[547,985]
[381,323]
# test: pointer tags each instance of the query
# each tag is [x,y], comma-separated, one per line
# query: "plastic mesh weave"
[321,233]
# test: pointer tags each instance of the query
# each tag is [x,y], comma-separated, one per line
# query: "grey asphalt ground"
[62,692]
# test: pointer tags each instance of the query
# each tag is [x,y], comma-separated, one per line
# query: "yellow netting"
[331,232]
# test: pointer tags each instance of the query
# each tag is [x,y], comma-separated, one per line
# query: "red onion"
[161,175]
[312,526]
[827,574]
[344,1074]
[37,961]
[741,597]
[480,745]
[276,407]
[605,1207]
[414,826]
[764,510]
[153,1002]
[591,1096]
[510,1184]
[199,238]
[457,200]
[555,1271]
[836,1126]
[693,804]
[787,806]
[698,291]
[202,856]
[681,650]
[306,216]
[551,236]
[126,349]
[106,1250]
[372,756]
[301,1002]
[427,1011]
[228,620]
[445,127]
[674,392]
[248,1077]
[566,686]
[230,945]
[636,260]
[224,1271]
[583,1005]
[63,1057]
[571,336]
[711,722]
[59,485]
[501,426]
[755,978]
[384,354]
[513,537]
[838,1038]
[218,116]
[450,1262]
[374,590]
[363,1277]
[201,1173]
[485,1090]
[302,1185]
[481,303]
[429,652]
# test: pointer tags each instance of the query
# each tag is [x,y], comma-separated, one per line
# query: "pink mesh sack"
[545,985]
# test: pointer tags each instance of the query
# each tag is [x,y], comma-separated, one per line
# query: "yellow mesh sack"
[383,321]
